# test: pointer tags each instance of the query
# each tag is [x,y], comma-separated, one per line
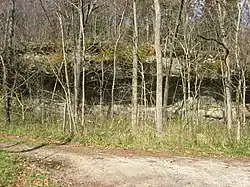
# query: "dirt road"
[86,167]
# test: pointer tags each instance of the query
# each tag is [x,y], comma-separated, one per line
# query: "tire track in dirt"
[86,167]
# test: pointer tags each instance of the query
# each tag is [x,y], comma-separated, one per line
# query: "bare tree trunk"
[101,89]
[239,95]
[6,92]
[82,64]
[79,62]
[8,58]
[238,91]
[159,89]
[184,91]
[147,29]
[169,67]
[114,63]
[228,99]
[244,86]
[187,67]
[222,17]
[64,117]
[83,100]
[143,99]
[77,72]
[67,89]
[135,67]
[79,68]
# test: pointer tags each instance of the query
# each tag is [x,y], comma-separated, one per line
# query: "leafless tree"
[159,89]
[119,33]
[227,63]
[8,54]
[135,67]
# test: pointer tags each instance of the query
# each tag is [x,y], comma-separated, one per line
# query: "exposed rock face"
[46,60]
[209,109]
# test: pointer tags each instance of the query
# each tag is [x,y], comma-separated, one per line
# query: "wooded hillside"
[78,63]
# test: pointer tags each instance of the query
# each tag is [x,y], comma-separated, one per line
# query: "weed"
[7,168]
[205,138]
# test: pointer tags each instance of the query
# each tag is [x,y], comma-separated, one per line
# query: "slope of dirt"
[84,167]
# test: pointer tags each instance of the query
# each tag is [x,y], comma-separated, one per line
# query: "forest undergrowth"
[205,138]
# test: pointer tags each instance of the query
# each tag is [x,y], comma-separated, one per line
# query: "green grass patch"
[205,138]
[15,171]
[40,179]
[8,168]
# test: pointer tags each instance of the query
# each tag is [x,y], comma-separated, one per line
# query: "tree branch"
[218,42]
